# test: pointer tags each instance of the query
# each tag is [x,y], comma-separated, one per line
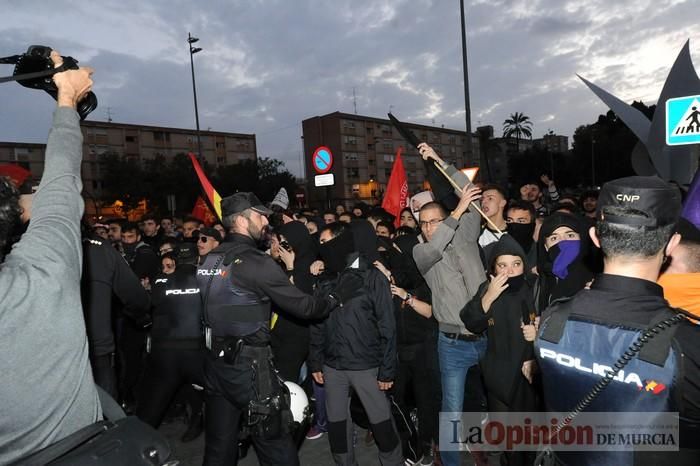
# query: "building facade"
[136,142]
[364,149]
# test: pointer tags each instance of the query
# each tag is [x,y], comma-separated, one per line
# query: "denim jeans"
[456,357]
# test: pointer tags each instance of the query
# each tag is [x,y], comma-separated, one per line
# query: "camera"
[35,69]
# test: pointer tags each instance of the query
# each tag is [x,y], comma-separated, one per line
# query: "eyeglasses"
[432,223]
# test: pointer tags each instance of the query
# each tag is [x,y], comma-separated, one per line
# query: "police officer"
[106,274]
[238,283]
[176,353]
[636,217]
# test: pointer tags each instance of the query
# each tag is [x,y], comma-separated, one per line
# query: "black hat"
[241,201]
[657,202]
[212,233]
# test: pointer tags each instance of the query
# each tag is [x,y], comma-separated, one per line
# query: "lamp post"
[191,40]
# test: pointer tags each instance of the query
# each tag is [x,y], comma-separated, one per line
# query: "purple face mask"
[564,253]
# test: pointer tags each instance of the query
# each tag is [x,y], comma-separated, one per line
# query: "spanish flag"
[212,196]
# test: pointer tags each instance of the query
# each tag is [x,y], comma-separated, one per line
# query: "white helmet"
[299,402]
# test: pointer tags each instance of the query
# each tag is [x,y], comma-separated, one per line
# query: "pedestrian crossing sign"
[683,120]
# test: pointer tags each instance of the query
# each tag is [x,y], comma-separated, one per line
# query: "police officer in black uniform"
[107,275]
[176,353]
[581,338]
[238,283]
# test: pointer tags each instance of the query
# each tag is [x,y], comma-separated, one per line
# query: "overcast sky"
[269,64]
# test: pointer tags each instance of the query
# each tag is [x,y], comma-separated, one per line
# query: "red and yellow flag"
[212,195]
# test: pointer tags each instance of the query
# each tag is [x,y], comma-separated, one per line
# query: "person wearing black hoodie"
[502,307]
[290,335]
[356,348]
[563,259]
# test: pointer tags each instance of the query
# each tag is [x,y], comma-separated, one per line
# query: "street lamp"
[191,40]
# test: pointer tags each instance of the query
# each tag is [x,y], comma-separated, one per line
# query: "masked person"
[238,281]
[563,259]
[290,335]
[636,219]
[503,305]
[681,278]
[355,348]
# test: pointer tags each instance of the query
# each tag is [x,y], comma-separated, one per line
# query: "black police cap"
[241,201]
[657,203]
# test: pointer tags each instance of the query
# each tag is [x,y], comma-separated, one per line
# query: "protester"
[563,259]
[48,390]
[502,307]
[449,261]
[407,219]
[356,348]
[493,204]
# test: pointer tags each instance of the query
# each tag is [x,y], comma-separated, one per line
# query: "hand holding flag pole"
[413,140]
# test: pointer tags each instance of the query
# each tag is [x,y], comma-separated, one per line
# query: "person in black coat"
[290,335]
[504,307]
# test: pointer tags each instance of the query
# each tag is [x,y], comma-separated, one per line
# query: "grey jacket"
[47,390]
[451,265]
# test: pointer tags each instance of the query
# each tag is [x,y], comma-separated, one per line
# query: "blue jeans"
[456,357]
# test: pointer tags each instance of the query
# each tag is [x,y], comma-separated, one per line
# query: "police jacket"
[360,335]
[177,309]
[238,282]
[107,275]
[582,337]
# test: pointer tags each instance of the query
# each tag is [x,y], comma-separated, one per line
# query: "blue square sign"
[683,120]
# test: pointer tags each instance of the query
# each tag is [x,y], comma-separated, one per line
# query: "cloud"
[268,64]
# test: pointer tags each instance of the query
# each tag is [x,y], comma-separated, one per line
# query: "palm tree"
[517,125]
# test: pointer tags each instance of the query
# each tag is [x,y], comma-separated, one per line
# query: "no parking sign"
[322,160]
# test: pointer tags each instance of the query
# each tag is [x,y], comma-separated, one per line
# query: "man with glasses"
[448,259]
[209,238]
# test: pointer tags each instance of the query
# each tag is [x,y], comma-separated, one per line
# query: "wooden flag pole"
[472,204]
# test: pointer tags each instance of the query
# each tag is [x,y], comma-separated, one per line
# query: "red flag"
[396,197]
[212,195]
[202,211]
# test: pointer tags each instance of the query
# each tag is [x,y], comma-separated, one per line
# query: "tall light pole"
[467,105]
[191,40]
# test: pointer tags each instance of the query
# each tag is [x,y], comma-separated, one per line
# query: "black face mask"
[515,283]
[129,249]
[522,233]
[334,253]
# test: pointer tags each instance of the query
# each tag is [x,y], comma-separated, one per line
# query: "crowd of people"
[385,320]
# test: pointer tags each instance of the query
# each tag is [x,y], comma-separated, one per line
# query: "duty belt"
[233,347]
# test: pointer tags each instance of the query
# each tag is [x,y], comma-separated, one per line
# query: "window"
[130,139]
[351,140]
[352,172]
[348,124]
[161,136]
[453,139]
[388,146]
[370,146]
[220,145]
[221,159]
[388,157]
[453,150]
[349,156]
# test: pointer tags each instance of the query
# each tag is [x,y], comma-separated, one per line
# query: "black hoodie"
[549,287]
[506,348]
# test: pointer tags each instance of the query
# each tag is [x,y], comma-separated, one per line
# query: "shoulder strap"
[110,409]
